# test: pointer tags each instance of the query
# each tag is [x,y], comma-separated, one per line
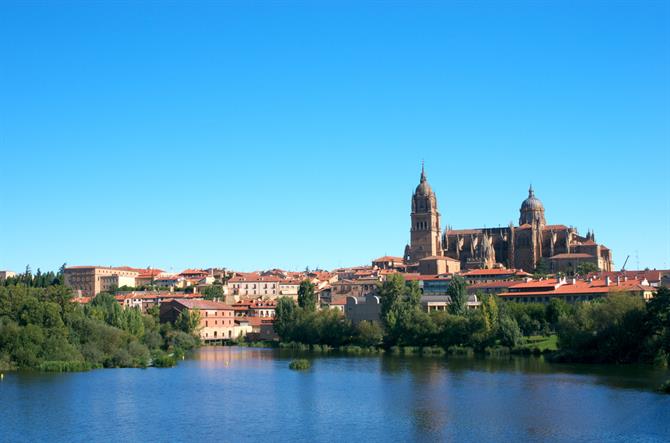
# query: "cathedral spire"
[531,193]
[423,172]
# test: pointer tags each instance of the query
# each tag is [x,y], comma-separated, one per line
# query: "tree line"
[620,328]
[42,328]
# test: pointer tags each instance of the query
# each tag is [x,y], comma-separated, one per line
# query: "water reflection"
[247,394]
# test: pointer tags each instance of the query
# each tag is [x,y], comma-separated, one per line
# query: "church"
[530,245]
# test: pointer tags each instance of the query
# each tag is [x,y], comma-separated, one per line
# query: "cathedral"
[528,246]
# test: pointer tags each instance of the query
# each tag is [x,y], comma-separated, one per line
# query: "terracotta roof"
[567,256]
[582,287]
[436,257]
[204,304]
[492,284]
[474,272]
[388,258]
[339,301]
[418,277]
[255,278]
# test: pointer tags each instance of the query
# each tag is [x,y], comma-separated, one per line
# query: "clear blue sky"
[255,135]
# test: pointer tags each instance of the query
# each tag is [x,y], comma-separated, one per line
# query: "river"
[244,394]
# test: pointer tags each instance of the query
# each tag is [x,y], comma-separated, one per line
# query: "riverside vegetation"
[617,329]
[42,328]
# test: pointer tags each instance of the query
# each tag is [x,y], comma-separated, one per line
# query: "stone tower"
[425,229]
[532,213]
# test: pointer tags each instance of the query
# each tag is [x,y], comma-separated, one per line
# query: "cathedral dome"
[532,203]
[532,210]
[424,187]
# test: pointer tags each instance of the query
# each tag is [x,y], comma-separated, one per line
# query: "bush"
[433,350]
[665,387]
[300,364]
[461,350]
[497,351]
[163,360]
[64,366]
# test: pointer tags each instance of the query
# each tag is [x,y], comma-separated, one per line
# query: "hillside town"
[533,262]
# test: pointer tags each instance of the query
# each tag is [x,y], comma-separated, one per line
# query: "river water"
[243,394]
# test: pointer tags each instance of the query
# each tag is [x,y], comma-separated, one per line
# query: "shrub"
[432,350]
[163,360]
[64,366]
[300,364]
[461,350]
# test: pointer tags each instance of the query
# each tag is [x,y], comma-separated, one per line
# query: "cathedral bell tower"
[425,229]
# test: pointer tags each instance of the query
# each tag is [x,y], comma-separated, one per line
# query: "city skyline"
[289,136]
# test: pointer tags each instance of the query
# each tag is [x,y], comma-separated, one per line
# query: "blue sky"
[261,134]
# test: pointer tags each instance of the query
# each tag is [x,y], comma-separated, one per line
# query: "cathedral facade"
[528,246]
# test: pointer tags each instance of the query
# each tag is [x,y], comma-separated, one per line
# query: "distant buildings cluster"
[532,262]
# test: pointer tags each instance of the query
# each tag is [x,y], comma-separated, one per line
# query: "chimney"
[618,280]
[608,280]
[574,281]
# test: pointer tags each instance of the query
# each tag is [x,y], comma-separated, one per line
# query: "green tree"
[188,321]
[657,326]
[586,268]
[285,318]
[510,333]
[369,333]
[213,292]
[555,310]
[307,296]
[491,313]
[458,293]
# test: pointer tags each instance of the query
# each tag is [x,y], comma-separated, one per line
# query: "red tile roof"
[571,255]
[474,272]
[204,304]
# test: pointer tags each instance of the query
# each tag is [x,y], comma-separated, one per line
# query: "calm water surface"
[238,394]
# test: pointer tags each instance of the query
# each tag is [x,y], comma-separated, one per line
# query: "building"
[147,277]
[528,246]
[390,263]
[438,264]
[170,281]
[355,288]
[437,303]
[217,320]
[425,223]
[255,286]
[4,275]
[289,288]
[573,290]
[366,308]
[89,281]
[475,276]
[146,299]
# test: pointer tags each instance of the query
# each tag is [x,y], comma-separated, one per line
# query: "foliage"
[41,328]
[609,330]
[510,333]
[586,268]
[459,295]
[369,333]
[304,325]
[300,364]
[213,292]
[188,321]
[307,296]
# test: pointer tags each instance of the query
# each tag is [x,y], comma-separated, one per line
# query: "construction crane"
[623,268]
